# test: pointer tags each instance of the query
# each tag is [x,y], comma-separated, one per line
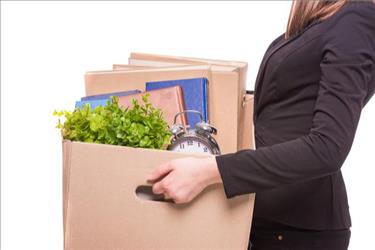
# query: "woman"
[311,87]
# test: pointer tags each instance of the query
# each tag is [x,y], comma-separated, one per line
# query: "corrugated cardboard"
[222,93]
[102,210]
[142,59]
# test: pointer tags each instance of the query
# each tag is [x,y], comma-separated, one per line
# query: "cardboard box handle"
[144,192]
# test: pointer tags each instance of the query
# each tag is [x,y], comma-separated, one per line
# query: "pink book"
[170,100]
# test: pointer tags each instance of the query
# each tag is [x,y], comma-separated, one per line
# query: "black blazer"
[309,94]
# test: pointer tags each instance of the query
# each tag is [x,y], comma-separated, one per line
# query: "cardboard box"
[103,211]
[101,206]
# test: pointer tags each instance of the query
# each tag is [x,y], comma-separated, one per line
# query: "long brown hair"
[303,12]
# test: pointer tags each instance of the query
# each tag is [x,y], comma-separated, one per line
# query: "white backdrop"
[47,46]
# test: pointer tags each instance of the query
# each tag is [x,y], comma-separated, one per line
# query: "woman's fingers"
[160,172]
[158,188]
[163,186]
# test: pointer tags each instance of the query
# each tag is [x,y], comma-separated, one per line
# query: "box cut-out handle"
[144,192]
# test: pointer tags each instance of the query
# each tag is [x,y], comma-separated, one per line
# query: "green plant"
[136,126]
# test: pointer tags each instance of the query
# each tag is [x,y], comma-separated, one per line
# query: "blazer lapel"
[267,56]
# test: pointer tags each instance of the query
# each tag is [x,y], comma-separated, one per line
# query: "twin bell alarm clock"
[193,140]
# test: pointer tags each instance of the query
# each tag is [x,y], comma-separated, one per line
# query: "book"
[93,103]
[108,95]
[169,100]
[195,94]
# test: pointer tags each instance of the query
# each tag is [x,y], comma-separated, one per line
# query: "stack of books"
[171,97]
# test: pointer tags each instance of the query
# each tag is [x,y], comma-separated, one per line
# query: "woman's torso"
[285,96]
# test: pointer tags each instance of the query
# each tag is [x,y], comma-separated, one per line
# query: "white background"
[46,48]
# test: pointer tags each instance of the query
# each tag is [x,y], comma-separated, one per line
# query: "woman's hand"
[183,179]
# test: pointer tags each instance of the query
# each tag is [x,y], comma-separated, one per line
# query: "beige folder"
[128,67]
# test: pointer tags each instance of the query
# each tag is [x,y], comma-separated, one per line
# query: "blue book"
[195,95]
[108,95]
[93,103]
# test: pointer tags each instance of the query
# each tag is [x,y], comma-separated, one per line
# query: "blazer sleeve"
[347,67]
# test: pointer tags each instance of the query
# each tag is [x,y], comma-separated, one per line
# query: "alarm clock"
[193,140]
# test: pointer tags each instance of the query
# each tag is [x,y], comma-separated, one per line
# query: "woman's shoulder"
[356,10]
[355,17]
[275,41]
[349,35]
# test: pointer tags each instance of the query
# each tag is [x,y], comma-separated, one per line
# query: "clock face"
[191,145]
